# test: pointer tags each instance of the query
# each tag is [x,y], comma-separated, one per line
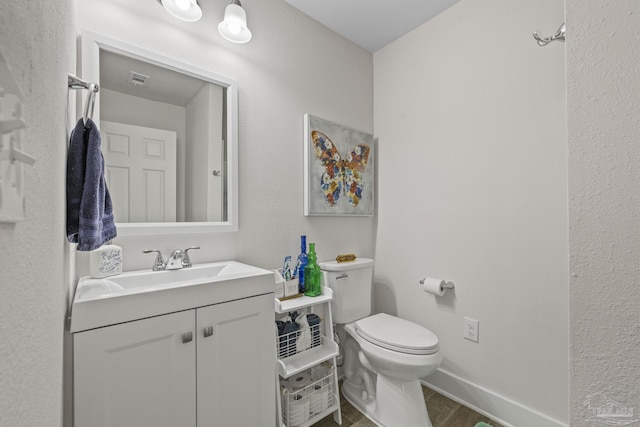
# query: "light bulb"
[183,4]
[187,10]
[234,28]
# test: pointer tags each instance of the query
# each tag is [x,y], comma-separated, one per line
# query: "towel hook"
[91,99]
[543,41]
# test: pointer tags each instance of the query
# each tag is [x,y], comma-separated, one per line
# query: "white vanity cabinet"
[236,383]
[136,373]
[206,366]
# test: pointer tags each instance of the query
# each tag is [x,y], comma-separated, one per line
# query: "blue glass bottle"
[301,263]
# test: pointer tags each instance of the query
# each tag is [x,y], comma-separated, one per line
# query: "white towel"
[304,339]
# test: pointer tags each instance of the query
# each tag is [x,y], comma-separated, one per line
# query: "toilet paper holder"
[443,285]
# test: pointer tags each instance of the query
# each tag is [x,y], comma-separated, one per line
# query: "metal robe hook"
[543,41]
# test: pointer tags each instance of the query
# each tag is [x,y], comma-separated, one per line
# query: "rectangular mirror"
[169,139]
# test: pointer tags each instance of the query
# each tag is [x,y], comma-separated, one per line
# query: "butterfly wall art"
[339,166]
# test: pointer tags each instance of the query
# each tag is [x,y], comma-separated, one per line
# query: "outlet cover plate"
[470,331]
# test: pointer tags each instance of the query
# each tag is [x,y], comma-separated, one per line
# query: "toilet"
[384,356]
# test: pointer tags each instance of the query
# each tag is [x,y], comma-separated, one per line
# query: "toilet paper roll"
[433,285]
[298,410]
[319,398]
[298,381]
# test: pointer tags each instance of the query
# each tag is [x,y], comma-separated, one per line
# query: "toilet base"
[396,404]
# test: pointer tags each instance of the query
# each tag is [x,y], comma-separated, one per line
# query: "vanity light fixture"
[234,26]
[187,10]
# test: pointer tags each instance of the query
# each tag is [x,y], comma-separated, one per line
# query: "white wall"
[292,66]
[470,117]
[36,39]
[197,155]
[603,74]
[204,154]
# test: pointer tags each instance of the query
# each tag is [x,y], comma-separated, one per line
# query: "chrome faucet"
[158,264]
[186,261]
[177,260]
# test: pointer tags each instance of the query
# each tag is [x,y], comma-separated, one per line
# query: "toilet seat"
[397,334]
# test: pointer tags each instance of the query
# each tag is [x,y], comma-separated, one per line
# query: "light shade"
[234,26]
[187,10]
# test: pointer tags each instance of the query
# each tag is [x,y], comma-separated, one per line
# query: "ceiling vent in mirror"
[137,79]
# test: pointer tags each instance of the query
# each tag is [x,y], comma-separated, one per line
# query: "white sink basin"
[147,280]
[145,293]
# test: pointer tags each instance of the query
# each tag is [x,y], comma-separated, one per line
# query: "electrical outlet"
[470,331]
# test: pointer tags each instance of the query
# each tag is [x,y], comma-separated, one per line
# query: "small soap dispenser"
[105,261]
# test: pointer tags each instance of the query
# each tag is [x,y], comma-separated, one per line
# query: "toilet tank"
[351,283]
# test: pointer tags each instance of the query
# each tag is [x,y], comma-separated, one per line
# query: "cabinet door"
[236,363]
[136,374]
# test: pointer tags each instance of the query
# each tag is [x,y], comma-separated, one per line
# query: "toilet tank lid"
[346,266]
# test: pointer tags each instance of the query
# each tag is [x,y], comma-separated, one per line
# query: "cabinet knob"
[208,331]
[187,337]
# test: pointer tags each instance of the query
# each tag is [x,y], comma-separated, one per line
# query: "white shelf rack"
[304,301]
[297,363]
[310,404]
[309,359]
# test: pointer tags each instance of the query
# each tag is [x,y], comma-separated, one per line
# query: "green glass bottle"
[312,274]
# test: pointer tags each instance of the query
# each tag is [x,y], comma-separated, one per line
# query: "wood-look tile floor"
[443,412]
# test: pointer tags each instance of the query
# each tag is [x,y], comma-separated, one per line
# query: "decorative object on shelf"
[346,258]
[558,36]
[301,263]
[286,289]
[12,159]
[312,274]
[338,169]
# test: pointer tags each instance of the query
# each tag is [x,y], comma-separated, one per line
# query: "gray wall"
[603,106]
[470,117]
[36,39]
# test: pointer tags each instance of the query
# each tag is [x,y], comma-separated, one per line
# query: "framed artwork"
[338,169]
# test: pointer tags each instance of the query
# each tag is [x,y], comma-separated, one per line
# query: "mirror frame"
[91,44]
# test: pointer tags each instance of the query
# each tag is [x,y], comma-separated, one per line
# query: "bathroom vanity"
[192,347]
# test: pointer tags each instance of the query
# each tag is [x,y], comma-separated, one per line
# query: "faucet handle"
[158,264]
[186,261]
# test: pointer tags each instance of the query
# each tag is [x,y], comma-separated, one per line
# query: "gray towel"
[90,221]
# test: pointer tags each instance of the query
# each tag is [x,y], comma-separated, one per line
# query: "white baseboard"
[488,403]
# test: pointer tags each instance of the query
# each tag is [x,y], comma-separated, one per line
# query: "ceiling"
[372,24]
[162,85]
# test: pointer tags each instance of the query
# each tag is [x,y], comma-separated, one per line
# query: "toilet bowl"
[384,356]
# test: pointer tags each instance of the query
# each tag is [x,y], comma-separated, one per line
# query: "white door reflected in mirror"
[140,170]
